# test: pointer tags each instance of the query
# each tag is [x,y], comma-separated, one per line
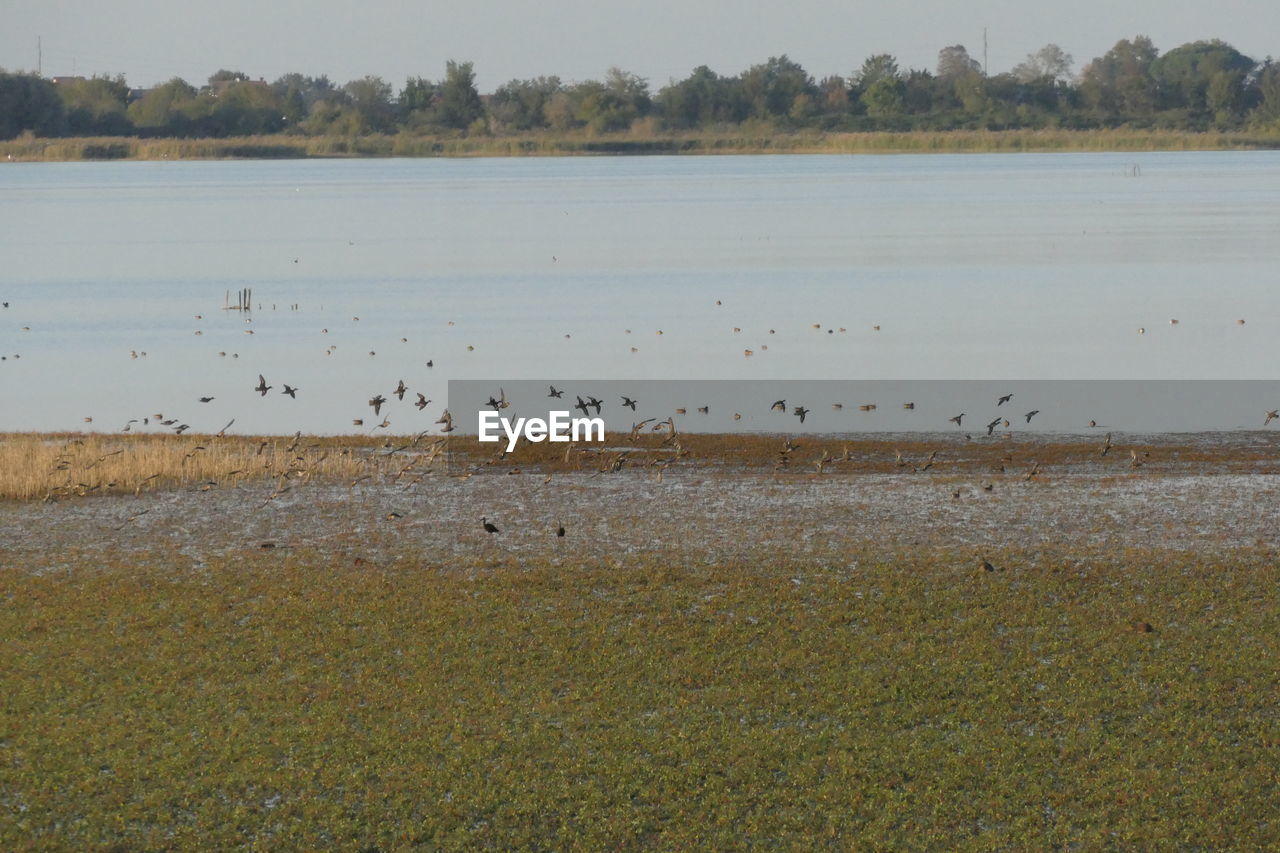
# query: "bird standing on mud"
[489,526]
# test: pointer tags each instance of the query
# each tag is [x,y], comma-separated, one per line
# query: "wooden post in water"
[244,300]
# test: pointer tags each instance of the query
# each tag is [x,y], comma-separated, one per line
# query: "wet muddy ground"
[719,513]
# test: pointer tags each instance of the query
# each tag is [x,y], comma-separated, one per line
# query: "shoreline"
[281,147]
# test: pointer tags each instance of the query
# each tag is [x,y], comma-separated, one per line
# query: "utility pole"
[985,72]
[39,57]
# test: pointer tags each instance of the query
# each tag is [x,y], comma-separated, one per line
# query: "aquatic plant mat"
[716,655]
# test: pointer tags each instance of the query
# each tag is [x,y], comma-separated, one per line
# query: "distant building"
[219,86]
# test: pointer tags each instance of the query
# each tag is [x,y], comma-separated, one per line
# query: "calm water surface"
[973,266]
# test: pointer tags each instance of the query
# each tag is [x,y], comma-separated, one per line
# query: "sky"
[150,41]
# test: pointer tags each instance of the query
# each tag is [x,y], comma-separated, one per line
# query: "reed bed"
[54,466]
[727,141]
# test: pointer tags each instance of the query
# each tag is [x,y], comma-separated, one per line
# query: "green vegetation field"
[285,699]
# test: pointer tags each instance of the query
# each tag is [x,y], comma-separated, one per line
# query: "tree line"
[1202,85]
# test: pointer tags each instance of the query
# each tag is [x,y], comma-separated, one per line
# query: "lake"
[898,267]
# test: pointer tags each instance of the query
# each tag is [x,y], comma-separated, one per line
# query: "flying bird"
[1271,416]
[422,401]
[800,412]
[263,387]
[956,420]
[1006,398]
[991,427]
[290,390]
[779,406]
[628,402]
[377,402]
[1031,414]
[554,392]
[400,389]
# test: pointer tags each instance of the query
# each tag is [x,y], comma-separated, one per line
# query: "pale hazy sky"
[152,40]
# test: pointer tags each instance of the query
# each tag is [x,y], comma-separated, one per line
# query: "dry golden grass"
[50,466]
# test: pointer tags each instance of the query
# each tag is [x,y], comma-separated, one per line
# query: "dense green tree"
[954,62]
[1119,84]
[703,98]
[418,95]
[772,87]
[881,66]
[29,103]
[1185,75]
[460,103]
[833,99]
[170,108]
[222,75]
[303,93]
[522,104]
[918,91]
[1195,86]
[1049,61]
[884,97]
[245,108]
[1267,85]
[370,99]
[97,106]
[610,105]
